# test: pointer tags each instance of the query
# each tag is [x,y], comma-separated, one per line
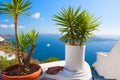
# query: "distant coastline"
[6,36]
[96,38]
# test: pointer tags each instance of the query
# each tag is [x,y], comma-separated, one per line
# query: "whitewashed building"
[9,56]
[108,64]
[1,39]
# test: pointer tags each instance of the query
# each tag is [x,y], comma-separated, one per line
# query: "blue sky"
[43,10]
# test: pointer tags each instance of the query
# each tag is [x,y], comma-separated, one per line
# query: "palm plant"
[32,36]
[77,25]
[14,9]
[23,41]
[67,19]
[85,27]
[27,40]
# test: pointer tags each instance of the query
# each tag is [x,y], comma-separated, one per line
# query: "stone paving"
[94,74]
[47,79]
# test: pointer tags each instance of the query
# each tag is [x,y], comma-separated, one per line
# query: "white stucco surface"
[10,56]
[65,74]
[108,65]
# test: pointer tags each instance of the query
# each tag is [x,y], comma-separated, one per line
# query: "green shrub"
[52,59]
[92,68]
[4,63]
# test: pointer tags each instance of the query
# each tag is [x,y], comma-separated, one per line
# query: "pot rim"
[74,45]
[24,76]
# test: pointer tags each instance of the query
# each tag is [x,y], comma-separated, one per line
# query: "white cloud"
[36,15]
[4,20]
[10,26]
[21,26]
[4,26]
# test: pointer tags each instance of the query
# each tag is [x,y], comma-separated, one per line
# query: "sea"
[49,45]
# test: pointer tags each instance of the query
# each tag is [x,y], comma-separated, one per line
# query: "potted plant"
[29,71]
[77,28]
[22,70]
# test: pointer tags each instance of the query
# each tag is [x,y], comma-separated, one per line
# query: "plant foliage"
[77,25]
[15,7]
[52,59]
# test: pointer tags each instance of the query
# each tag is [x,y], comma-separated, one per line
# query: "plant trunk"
[81,42]
[72,41]
[17,45]
[30,55]
[72,37]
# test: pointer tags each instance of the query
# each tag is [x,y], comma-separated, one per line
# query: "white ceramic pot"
[74,57]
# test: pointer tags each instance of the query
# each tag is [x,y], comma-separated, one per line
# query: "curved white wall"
[108,65]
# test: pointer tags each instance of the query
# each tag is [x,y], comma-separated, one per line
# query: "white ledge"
[103,53]
[65,74]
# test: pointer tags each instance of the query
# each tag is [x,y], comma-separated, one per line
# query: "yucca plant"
[32,36]
[77,28]
[77,25]
[26,41]
[67,19]
[85,26]
[14,9]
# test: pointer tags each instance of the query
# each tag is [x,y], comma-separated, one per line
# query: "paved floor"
[94,74]
[47,79]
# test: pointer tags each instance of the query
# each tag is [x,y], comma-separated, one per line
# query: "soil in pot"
[11,74]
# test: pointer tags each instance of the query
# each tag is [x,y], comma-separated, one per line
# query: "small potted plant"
[28,71]
[24,70]
[77,28]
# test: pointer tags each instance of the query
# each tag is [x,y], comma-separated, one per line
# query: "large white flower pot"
[75,65]
[74,57]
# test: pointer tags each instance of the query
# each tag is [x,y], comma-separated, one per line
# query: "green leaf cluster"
[26,39]
[77,25]
[16,7]
[52,59]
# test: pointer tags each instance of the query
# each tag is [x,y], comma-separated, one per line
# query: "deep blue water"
[57,47]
